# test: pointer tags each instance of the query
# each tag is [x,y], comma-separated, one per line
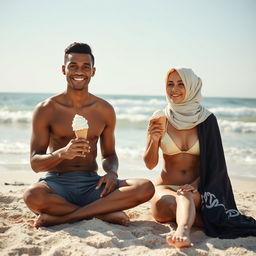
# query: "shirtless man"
[72,190]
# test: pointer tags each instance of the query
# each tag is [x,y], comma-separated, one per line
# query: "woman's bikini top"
[169,147]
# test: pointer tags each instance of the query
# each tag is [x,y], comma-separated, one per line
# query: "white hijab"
[189,113]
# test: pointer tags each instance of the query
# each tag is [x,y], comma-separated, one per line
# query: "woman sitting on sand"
[194,187]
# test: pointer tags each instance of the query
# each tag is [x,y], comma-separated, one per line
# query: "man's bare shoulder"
[48,104]
[105,110]
[103,104]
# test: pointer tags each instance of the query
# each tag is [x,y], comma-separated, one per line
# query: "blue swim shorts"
[76,187]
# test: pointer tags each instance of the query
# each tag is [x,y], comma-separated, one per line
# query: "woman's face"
[175,88]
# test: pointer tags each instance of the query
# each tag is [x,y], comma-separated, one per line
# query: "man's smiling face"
[78,69]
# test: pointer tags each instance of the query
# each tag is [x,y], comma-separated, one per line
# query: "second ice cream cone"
[161,120]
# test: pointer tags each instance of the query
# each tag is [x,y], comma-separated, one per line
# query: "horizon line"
[138,95]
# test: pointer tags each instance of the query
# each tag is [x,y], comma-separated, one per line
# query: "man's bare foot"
[115,217]
[46,220]
[180,239]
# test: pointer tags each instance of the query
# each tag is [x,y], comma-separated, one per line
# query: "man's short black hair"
[79,48]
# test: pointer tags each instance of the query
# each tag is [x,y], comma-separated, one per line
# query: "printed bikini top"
[169,147]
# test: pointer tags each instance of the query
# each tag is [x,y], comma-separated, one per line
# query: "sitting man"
[72,190]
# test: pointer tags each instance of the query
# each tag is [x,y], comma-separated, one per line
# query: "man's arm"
[109,157]
[107,143]
[39,160]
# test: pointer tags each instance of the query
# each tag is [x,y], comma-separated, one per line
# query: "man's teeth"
[79,79]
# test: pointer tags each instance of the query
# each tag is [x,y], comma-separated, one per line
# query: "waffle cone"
[81,133]
[161,120]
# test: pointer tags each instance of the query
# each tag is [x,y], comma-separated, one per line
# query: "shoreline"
[29,177]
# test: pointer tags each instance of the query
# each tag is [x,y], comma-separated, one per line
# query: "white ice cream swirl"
[79,123]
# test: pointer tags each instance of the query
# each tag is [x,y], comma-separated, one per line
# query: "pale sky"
[135,43]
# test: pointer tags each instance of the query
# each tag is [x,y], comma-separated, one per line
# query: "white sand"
[94,237]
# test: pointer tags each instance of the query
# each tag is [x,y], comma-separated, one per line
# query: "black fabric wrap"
[220,215]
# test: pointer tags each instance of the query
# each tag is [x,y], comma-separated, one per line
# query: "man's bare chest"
[61,123]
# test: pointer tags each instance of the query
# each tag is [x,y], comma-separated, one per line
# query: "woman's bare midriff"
[179,169]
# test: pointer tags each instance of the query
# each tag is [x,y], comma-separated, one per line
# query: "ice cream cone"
[81,133]
[80,126]
[161,120]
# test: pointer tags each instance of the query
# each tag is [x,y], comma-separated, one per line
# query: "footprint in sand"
[8,199]
[27,251]
[3,229]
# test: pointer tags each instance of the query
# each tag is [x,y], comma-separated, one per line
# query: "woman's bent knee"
[164,210]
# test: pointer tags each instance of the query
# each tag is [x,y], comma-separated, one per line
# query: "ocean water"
[236,118]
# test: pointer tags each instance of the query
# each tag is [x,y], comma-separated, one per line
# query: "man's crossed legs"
[52,207]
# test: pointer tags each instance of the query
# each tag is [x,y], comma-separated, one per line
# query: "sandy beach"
[94,237]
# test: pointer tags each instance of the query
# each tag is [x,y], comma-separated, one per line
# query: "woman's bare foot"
[180,239]
[46,220]
[115,217]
